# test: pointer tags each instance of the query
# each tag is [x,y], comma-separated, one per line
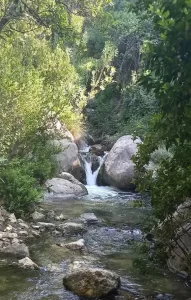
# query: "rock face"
[68,158]
[64,188]
[91,282]
[179,259]
[119,169]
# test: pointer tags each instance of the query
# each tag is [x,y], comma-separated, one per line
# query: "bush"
[42,160]
[103,120]
[137,110]
[22,177]
[19,190]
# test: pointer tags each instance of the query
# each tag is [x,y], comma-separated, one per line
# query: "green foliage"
[36,84]
[130,108]
[18,188]
[138,107]
[22,177]
[150,260]
[121,113]
[40,153]
[169,77]
[169,60]
[167,73]
[104,105]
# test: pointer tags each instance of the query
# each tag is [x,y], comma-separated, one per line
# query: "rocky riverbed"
[96,232]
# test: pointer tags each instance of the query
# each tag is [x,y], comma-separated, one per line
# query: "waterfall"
[91,177]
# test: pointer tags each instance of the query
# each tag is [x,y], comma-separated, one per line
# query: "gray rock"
[12,219]
[89,218]
[47,226]
[70,228]
[23,233]
[78,245]
[23,225]
[60,188]
[181,245]
[68,158]
[27,263]
[8,235]
[178,259]
[58,129]
[37,216]
[15,241]
[35,233]
[36,227]
[91,282]
[119,169]
[15,250]
[72,179]
[9,228]
[61,217]
[97,149]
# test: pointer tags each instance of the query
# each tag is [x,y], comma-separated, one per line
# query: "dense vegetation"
[110,67]
[39,84]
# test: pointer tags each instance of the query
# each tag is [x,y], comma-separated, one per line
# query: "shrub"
[21,178]
[19,190]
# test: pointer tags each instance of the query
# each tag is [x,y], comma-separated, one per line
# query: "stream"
[111,244]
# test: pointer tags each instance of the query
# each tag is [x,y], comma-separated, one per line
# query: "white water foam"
[101,192]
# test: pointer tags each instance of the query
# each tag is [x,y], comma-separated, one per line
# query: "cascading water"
[91,173]
[91,177]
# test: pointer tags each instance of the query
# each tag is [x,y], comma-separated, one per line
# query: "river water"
[110,244]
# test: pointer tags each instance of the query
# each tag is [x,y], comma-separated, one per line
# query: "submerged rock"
[91,282]
[89,218]
[61,217]
[47,226]
[78,245]
[70,228]
[119,169]
[27,263]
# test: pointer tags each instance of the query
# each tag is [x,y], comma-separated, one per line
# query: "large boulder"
[91,282]
[119,169]
[68,158]
[179,260]
[64,188]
